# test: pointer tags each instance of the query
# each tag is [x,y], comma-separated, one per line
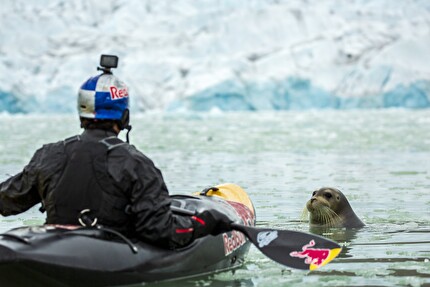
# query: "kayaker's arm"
[155,221]
[150,206]
[19,192]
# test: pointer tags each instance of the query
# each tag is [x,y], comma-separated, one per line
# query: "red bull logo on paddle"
[315,257]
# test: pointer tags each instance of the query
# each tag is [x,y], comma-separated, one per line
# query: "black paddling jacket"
[99,172]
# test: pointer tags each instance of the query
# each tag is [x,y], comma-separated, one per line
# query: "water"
[379,159]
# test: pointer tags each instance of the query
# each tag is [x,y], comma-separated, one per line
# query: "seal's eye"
[313,193]
[327,195]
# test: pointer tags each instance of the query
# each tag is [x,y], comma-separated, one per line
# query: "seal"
[328,207]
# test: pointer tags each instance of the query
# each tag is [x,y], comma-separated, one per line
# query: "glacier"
[246,55]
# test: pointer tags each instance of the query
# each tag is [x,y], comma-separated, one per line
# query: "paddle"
[291,248]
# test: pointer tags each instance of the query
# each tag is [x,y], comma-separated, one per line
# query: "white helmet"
[103,97]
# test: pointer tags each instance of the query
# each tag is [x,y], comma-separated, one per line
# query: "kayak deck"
[50,256]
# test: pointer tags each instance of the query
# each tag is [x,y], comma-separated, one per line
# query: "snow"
[218,54]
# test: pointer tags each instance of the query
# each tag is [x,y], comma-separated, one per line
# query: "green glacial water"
[379,159]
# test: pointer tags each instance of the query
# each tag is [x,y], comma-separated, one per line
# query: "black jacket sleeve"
[150,206]
[19,193]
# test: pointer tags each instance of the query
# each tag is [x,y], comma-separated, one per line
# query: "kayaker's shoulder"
[129,150]
[54,146]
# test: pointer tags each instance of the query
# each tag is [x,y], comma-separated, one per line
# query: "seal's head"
[328,207]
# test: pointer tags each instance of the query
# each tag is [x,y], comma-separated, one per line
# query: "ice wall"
[215,54]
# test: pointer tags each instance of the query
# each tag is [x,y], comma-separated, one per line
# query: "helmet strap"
[128,128]
[125,119]
[124,123]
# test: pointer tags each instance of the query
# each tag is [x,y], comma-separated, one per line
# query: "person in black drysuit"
[98,173]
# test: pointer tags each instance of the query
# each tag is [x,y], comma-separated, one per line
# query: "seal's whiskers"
[331,217]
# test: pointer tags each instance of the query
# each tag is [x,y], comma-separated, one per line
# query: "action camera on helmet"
[108,62]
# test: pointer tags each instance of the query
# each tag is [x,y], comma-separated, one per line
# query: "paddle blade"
[292,248]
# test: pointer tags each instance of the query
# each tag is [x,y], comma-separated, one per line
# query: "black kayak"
[51,255]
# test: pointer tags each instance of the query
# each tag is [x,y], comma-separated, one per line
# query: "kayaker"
[108,179]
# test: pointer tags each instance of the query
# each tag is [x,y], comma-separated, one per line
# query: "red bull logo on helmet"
[116,93]
[313,256]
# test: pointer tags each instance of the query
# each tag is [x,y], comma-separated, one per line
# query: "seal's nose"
[313,199]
